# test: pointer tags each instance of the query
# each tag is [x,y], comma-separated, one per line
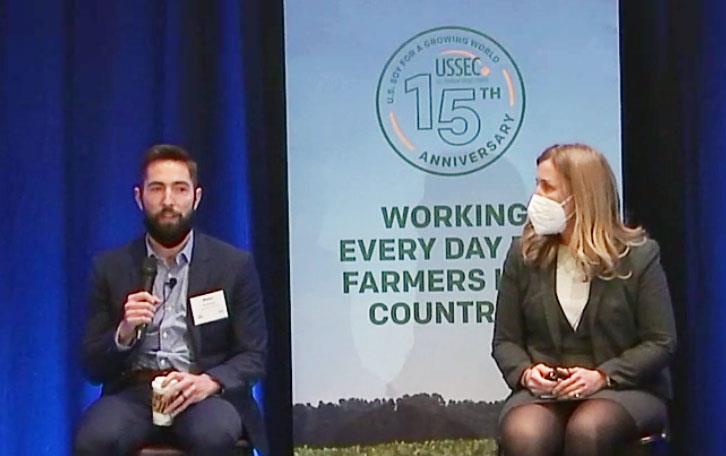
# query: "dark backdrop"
[86,86]
[674,137]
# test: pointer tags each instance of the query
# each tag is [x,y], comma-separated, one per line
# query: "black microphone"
[171,283]
[148,274]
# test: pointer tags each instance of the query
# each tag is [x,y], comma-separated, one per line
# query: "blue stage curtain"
[705,117]
[85,87]
[674,139]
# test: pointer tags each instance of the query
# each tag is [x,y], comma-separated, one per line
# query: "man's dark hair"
[169,152]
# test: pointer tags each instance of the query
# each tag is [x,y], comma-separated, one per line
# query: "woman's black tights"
[595,427]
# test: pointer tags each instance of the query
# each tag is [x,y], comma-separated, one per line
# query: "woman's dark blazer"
[630,321]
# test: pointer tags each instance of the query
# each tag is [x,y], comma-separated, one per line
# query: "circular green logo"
[450,101]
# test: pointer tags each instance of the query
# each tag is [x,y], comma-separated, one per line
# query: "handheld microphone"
[148,274]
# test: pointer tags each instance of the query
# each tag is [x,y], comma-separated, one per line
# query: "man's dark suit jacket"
[631,322]
[232,351]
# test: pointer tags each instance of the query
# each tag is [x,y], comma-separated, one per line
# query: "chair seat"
[157,449]
[651,445]
[653,438]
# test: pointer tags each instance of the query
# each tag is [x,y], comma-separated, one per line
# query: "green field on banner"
[483,447]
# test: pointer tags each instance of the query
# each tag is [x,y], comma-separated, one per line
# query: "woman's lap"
[649,412]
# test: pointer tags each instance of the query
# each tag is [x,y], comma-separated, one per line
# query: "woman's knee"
[598,427]
[529,431]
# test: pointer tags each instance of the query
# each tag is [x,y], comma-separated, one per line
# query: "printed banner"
[413,129]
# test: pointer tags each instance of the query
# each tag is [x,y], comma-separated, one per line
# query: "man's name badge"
[209,307]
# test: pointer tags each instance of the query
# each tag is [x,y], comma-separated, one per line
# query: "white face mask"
[547,216]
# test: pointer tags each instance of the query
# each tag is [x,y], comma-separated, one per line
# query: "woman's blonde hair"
[599,237]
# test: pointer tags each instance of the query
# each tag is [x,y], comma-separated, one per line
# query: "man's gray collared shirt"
[166,343]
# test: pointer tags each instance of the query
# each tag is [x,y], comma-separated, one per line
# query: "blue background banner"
[411,154]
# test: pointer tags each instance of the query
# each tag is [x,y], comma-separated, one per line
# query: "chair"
[651,445]
[159,449]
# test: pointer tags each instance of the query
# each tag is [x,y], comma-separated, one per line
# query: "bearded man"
[200,323]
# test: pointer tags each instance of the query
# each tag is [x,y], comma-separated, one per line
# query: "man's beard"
[168,234]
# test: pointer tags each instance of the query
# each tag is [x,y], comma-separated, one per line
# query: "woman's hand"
[536,379]
[580,382]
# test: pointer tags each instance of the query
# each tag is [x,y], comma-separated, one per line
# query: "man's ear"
[197,197]
[137,198]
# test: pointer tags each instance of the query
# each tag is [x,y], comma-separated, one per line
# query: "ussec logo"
[450,101]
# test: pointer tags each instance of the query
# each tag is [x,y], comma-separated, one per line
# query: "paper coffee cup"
[161,396]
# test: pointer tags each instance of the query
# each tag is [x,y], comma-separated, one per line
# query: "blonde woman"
[584,329]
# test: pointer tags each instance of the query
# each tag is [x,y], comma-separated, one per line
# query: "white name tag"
[208,307]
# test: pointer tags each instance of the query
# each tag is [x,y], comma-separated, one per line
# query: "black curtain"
[270,202]
[674,136]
